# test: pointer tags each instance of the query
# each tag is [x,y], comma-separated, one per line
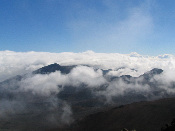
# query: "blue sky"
[110,26]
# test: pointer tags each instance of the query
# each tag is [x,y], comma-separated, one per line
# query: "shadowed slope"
[141,116]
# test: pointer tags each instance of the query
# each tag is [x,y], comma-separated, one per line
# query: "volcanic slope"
[141,116]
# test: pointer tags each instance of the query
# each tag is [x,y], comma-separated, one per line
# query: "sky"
[106,26]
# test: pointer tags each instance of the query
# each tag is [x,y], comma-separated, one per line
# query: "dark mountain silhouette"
[54,67]
[141,116]
[148,75]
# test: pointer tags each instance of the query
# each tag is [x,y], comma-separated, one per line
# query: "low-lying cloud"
[96,80]
[13,63]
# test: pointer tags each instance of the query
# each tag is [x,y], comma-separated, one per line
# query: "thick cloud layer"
[58,97]
[13,63]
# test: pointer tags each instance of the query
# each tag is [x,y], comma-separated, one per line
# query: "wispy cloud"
[123,30]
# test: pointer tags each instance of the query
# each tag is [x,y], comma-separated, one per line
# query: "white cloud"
[43,84]
[123,71]
[167,80]
[121,64]
[86,75]
[47,84]
[121,88]
[15,63]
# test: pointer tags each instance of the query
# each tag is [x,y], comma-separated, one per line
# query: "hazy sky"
[121,26]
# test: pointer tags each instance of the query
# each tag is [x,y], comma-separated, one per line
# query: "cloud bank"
[16,63]
[85,86]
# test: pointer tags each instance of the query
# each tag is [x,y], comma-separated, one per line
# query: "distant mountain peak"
[54,67]
[155,71]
